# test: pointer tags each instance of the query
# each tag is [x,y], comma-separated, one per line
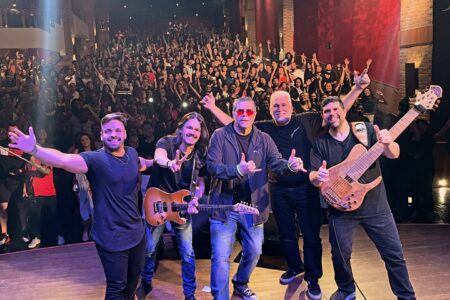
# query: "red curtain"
[267,22]
[357,29]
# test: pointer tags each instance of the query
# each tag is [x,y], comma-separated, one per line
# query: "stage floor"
[74,271]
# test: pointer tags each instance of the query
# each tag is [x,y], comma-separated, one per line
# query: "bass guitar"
[343,191]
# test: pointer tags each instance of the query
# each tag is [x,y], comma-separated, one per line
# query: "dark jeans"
[299,205]
[42,218]
[382,231]
[122,270]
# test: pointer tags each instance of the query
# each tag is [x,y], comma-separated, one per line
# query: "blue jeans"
[223,235]
[299,205]
[382,231]
[183,234]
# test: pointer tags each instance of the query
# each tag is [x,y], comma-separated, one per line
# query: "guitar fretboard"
[203,207]
[368,158]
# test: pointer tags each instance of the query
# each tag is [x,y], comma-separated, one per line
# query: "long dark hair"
[201,147]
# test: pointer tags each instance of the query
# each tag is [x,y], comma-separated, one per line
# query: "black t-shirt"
[298,134]
[333,152]
[164,179]
[241,186]
[114,182]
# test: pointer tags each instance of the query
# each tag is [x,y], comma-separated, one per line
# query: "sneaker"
[341,295]
[289,276]
[34,243]
[314,291]
[60,240]
[245,292]
[143,290]
[26,238]
[85,236]
[5,239]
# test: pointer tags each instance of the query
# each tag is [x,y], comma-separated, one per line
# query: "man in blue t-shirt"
[118,229]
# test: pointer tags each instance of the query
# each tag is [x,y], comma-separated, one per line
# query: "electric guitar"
[343,191]
[160,206]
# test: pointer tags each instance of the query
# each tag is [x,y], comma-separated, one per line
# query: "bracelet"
[239,171]
[290,169]
[34,150]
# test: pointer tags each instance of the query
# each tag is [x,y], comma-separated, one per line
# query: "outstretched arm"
[209,102]
[361,82]
[73,163]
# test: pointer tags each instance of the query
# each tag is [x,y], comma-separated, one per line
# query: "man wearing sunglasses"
[239,158]
[294,200]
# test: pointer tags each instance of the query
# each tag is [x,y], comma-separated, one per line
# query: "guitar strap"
[194,177]
[359,130]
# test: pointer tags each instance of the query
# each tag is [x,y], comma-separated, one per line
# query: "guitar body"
[158,206]
[342,193]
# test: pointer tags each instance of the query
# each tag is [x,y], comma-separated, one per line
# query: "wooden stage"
[74,271]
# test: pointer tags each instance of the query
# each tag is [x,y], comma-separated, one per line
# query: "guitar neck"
[368,158]
[203,207]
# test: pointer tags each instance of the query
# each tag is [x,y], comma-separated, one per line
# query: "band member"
[294,200]
[239,158]
[117,230]
[175,157]
[374,214]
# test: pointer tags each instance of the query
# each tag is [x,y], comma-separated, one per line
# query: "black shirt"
[164,179]
[334,152]
[241,186]
[298,134]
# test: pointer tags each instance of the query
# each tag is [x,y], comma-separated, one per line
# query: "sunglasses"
[248,112]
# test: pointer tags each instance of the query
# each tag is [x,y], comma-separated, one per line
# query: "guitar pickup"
[160,207]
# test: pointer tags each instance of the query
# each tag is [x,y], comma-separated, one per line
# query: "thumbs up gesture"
[295,164]
[323,175]
[247,167]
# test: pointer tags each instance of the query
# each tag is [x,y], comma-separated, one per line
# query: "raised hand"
[361,80]
[247,167]
[175,165]
[296,163]
[383,136]
[21,141]
[323,175]
[208,101]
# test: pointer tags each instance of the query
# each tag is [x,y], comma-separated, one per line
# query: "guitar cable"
[345,262]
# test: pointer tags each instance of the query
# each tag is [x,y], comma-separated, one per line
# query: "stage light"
[184,104]
[124,6]
[442,182]
[150,100]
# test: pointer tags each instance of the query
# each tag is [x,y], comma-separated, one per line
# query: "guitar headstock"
[429,99]
[244,208]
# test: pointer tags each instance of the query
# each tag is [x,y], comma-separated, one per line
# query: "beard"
[111,147]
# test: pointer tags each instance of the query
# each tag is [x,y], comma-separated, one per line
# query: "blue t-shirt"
[114,181]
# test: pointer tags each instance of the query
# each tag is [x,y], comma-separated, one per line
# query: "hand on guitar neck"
[192,206]
[392,150]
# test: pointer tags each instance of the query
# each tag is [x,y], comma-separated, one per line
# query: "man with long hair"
[175,157]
